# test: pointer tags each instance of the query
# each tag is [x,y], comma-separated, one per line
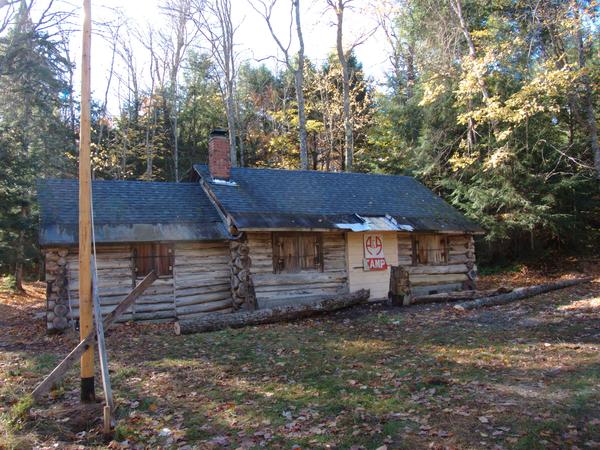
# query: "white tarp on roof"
[371,223]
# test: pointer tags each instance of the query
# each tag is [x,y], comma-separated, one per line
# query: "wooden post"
[102,356]
[60,370]
[85,228]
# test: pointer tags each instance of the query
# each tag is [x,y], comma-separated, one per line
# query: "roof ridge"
[324,172]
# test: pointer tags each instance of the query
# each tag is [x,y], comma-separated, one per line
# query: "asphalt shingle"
[129,211]
[272,198]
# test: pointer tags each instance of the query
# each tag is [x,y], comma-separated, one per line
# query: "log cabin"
[230,238]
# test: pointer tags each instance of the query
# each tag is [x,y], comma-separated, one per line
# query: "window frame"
[443,240]
[277,259]
[156,250]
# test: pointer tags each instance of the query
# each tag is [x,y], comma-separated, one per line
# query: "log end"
[177,329]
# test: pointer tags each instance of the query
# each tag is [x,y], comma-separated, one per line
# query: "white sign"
[373,252]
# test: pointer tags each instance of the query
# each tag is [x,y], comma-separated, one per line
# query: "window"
[430,249]
[297,252]
[157,257]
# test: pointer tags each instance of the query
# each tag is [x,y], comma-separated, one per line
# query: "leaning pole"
[85,227]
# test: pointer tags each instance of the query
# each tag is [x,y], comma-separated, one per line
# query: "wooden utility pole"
[85,228]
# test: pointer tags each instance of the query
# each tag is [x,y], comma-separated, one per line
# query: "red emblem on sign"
[373,248]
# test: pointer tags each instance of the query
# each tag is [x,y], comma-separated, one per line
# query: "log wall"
[202,278]
[200,283]
[458,273]
[270,287]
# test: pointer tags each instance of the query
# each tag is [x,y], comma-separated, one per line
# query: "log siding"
[271,286]
[200,283]
[459,272]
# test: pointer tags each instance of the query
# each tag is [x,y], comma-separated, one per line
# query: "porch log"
[442,269]
[520,293]
[458,296]
[270,315]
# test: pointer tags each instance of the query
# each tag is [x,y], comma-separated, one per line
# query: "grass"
[405,378]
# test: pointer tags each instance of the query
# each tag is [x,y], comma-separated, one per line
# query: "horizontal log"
[459,295]
[125,317]
[295,278]
[427,290]
[262,289]
[202,297]
[122,290]
[201,260]
[421,280]
[147,307]
[203,290]
[199,282]
[102,256]
[203,314]
[520,293]
[102,285]
[214,286]
[74,312]
[107,277]
[158,298]
[200,269]
[104,300]
[445,269]
[300,293]
[262,316]
[154,315]
[204,307]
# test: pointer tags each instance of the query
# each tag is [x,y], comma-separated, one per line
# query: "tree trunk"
[457,7]
[520,293]
[348,126]
[263,316]
[20,254]
[300,92]
[231,124]
[589,104]
[175,137]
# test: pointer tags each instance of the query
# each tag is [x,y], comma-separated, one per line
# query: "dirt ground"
[524,375]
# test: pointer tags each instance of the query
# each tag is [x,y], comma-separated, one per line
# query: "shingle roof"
[271,198]
[129,211]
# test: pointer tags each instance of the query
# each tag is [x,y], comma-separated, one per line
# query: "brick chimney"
[219,162]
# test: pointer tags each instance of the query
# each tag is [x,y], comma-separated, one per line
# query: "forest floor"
[524,375]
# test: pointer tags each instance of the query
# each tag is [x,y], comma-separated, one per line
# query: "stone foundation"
[57,297]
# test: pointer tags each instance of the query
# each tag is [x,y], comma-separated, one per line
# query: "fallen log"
[520,293]
[214,322]
[443,297]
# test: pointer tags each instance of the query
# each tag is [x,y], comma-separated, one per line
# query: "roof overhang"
[346,222]
[142,232]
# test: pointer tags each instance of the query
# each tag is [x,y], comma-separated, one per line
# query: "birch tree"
[214,22]
[175,44]
[339,7]
[265,9]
